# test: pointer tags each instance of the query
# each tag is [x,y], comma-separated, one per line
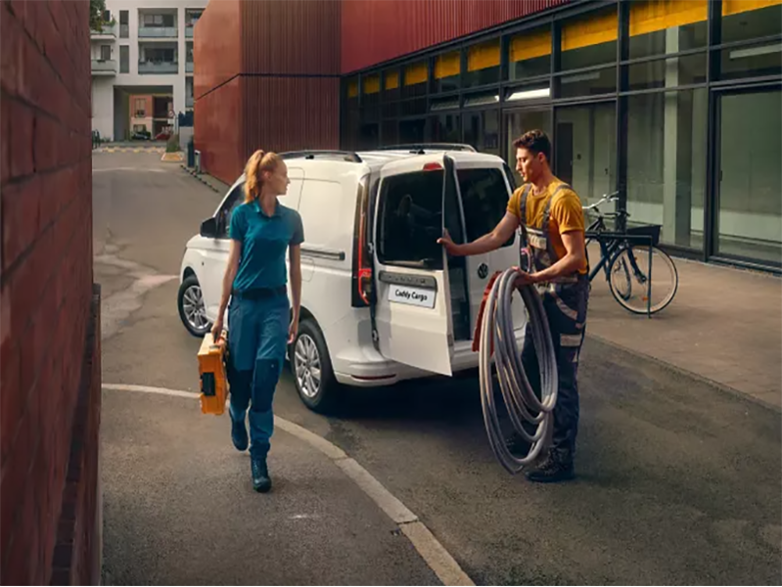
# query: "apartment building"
[144,51]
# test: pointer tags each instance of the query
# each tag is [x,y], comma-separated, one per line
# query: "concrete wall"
[49,315]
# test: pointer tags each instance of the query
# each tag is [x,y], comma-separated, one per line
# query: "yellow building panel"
[590,31]
[392,80]
[447,65]
[483,56]
[529,45]
[415,74]
[372,84]
[649,17]
[737,6]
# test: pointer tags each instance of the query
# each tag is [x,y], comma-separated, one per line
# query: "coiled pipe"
[498,346]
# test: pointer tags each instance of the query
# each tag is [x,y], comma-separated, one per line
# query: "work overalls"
[258,323]
[565,301]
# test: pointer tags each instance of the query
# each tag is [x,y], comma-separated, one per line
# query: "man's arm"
[488,242]
[567,265]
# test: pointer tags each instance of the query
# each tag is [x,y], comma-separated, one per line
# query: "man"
[551,214]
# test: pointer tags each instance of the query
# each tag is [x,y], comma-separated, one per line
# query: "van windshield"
[411,220]
[485,199]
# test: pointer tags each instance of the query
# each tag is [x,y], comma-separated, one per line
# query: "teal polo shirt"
[265,241]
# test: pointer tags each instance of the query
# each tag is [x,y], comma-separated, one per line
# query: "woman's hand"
[293,330]
[217,330]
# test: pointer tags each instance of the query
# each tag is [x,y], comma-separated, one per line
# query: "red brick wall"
[46,298]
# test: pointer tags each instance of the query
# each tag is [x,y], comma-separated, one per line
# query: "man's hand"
[450,246]
[217,330]
[523,278]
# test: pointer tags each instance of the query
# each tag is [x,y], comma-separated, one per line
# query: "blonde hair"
[258,162]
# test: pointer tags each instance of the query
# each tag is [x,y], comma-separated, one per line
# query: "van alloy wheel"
[193,306]
[306,362]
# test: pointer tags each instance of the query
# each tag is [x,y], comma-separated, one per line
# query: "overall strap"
[523,212]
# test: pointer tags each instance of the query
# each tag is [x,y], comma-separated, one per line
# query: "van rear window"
[484,198]
[411,220]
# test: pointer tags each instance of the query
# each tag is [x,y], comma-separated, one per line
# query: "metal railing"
[158,67]
[107,30]
[189,101]
[157,32]
[189,67]
[104,66]
[188,32]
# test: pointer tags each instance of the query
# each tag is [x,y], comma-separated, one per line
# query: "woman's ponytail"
[258,162]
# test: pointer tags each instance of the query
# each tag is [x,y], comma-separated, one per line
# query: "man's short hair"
[536,141]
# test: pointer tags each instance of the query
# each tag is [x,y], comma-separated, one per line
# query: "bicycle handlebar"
[612,197]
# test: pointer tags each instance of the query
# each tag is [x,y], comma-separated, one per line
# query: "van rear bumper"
[379,371]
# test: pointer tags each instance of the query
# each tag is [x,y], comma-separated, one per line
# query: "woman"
[260,321]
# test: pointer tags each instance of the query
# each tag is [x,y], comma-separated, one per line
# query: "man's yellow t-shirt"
[566,214]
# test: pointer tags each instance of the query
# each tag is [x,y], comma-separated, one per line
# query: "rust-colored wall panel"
[375,31]
[219,131]
[292,37]
[283,114]
[217,45]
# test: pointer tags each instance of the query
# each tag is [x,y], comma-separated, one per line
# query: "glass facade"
[677,104]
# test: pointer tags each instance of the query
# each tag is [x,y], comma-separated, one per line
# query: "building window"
[159,20]
[415,77]
[749,177]
[124,29]
[370,101]
[141,107]
[124,59]
[746,20]
[589,40]
[667,26]
[666,163]
[684,70]
[106,16]
[585,149]
[446,72]
[105,52]
[483,64]
[530,54]
[482,131]
[446,128]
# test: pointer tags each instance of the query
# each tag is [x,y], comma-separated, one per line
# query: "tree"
[96,14]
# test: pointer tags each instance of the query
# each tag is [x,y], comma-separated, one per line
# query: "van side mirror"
[209,228]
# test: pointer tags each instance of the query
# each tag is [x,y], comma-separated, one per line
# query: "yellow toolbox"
[211,369]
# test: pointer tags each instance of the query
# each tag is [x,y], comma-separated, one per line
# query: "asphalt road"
[678,482]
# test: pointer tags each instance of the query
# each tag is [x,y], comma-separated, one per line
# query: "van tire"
[311,344]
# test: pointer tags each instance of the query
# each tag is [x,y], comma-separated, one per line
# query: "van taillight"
[362,260]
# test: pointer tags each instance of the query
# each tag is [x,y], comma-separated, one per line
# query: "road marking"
[434,554]
[133,169]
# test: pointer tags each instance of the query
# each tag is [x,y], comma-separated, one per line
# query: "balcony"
[157,32]
[160,67]
[189,32]
[104,67]
[189,101]
[108,32]
[189,67]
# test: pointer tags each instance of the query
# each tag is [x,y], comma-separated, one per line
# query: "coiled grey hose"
[520,399]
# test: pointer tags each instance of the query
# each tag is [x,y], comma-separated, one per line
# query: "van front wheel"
[311,368]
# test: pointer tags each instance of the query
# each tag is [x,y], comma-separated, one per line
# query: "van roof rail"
[332,154]
[413,147]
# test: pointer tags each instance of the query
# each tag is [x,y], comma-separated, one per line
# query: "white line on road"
[434,554]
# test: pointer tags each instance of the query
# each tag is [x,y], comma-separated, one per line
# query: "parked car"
[381,301]
[140,135]
[163,136]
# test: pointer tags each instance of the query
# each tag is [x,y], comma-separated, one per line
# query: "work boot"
[261,481]
[557,466]
[239,434]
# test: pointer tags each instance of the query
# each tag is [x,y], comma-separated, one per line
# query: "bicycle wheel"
[629,279]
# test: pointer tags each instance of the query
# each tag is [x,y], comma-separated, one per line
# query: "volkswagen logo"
[483,270]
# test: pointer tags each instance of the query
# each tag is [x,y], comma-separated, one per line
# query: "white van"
[381,301]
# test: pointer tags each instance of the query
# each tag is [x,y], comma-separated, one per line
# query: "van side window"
[485,199]
[411,220]
[234,199]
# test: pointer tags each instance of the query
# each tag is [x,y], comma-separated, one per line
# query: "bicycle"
[628,258]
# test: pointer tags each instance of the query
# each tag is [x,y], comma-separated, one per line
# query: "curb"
[198,177]
[726,389]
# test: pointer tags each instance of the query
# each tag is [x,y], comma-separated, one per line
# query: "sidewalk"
[724,325]
[210,181]
[179,507]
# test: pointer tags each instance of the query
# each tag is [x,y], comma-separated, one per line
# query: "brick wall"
[49,407]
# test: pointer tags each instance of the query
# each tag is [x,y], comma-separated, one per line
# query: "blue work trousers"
[257,338]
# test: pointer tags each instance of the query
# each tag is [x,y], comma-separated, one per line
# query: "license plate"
[413,296]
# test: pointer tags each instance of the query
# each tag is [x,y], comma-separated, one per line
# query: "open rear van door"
[412,302]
